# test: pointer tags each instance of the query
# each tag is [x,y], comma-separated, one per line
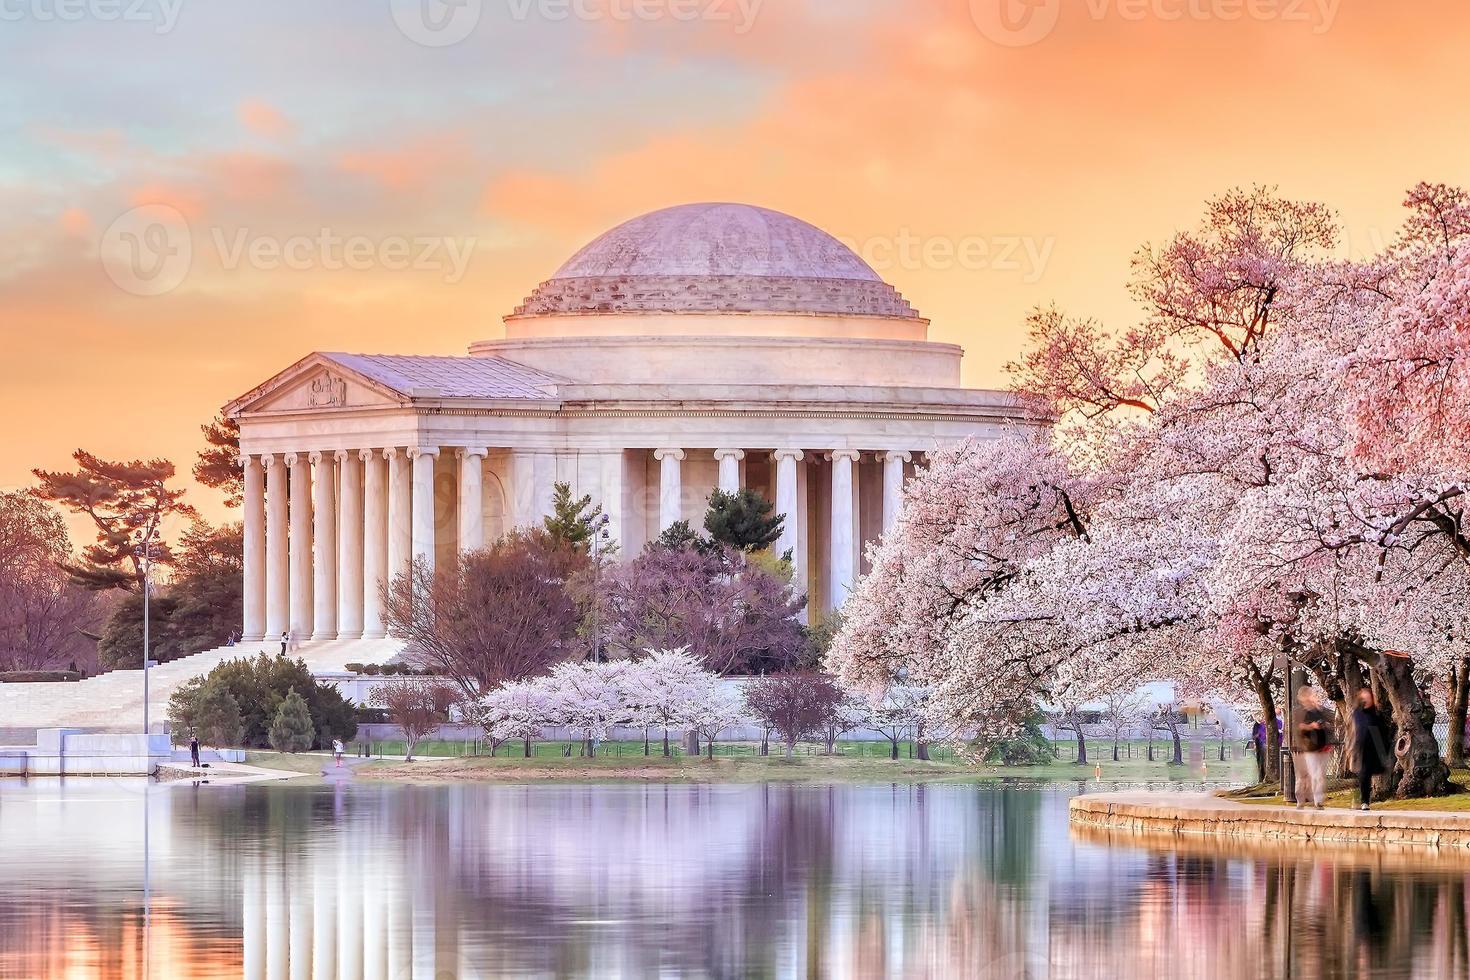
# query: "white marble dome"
[716,258]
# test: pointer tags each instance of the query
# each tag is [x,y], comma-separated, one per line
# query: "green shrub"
[372,670]
[258,686]
[353,668]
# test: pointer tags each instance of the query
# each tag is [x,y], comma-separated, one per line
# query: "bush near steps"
[237,702]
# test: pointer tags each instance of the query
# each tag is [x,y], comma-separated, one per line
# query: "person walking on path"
[1370,745]
[337,750]
[1311,747]
[194,751]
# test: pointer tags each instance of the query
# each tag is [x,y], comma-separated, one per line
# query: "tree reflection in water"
[776,880]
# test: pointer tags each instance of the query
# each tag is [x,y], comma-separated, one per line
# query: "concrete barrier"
[70,752]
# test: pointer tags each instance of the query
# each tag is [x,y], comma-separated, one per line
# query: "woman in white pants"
[1311,747]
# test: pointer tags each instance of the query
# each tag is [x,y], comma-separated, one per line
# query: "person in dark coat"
[1370,745]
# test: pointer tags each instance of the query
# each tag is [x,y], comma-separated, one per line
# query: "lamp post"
[144,552]
[599,546]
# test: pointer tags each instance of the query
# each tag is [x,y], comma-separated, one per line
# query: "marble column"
[612,483]
[729,460]
[472,498]
[252,916]
[374,542]
[277,569]
[423,503]
[324,564]
[300,544]
[400,512]
[522,488]
[277,925]
[893,485]
[670,486]
[349,547]
[786,506]
[544,486]
[844,546]
[253,627]
[298,894]
[324,918]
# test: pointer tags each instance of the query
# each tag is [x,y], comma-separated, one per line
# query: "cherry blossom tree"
[663,689]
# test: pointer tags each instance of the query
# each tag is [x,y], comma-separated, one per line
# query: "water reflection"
[704,881]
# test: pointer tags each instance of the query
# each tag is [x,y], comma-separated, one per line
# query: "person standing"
[285,641]
[1370,745]
[194,751]
[1258,740]
[1311,747]
[337,749]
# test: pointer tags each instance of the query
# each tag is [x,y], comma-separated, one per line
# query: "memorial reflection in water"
[774,880]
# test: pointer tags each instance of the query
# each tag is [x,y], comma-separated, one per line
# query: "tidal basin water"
[100,878]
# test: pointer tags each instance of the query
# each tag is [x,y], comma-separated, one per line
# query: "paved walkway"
[1206,814]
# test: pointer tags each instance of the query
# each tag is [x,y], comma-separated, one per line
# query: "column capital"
[267,460]
[736,454]
[390,451]
[793,454]
[849,454]
[316,457]
[244,460]
[341,455]
[291,459]
[366,455]
[467,451]
[414,452]
[896,456]
[662,454]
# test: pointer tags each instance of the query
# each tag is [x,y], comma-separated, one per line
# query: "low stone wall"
[68,752]
[1200,815]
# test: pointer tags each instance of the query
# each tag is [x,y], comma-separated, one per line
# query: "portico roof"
[454,377]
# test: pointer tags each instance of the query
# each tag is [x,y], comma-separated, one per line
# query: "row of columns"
[325,531]
[843,515]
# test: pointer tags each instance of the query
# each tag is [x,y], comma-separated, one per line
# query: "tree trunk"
[1267,700]
[1178,748]
[1418,769]
[1459,702]
[765,743]
[709,744]
[893,749]
[921,745]
[790,749]
[1081,747]
[646,747]
[666,743]
[1115,750]
[528,746]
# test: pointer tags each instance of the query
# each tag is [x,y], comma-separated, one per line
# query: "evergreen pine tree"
[216,716]
[292,730]
[573,522]
[742,519]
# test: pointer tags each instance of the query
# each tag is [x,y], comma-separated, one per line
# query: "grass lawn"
[1344,794]
[741,762]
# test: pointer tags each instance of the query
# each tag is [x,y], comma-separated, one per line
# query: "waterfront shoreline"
[1199,815]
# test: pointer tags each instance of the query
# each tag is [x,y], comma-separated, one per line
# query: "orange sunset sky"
[986,156]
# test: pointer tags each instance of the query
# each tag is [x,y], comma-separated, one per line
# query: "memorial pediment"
[317,384]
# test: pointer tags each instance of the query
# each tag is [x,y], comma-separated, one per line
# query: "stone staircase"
[113,702]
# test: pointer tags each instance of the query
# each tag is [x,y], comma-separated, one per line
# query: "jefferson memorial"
[701,346]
